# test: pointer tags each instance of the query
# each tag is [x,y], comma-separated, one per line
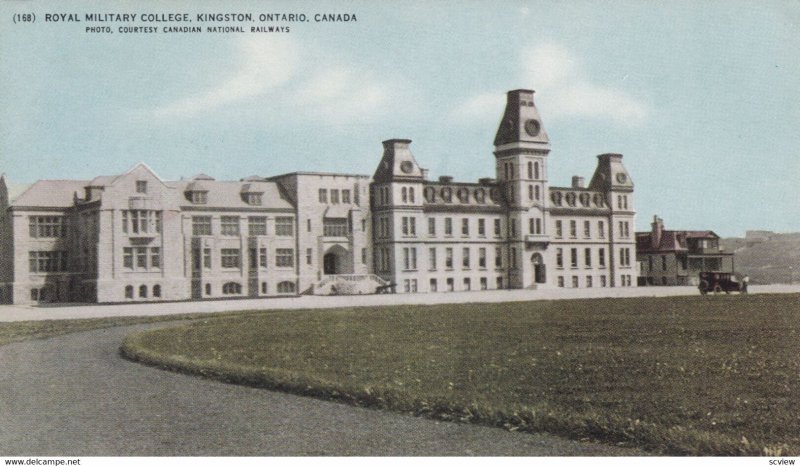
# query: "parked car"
[718,282]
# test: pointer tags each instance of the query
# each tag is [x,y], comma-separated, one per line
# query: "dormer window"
[141,187]
[198,197]
[252,198]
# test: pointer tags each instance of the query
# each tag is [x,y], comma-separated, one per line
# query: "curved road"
[74,395]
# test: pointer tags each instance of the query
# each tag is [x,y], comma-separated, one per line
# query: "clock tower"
[521,149]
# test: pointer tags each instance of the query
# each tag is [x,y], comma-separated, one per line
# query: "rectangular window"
[465,257]
[433,285]
[141,258]
[345,196]
[335,227]
[284,226]
[432,258]
[323,196]
[230,258]
[257,226]
[497,229]
[448,258]
[124,222]
[531,227]
[410,258]
[561,282]
[513,255]
[559,257]
[601,257]
[587,229]
[262,258]
[363,255]
[432,226]
[603,281]
[499,281]
[481,227]
[47,261]
[334,196]
[207,258]
[498,257]
[482,258]
[573,262]
[587,257]
[229,225]
[559,229]
[575,281]
[538,226]
[601,229]
[588,282]
[309,254]
[127,258]
[450,284]
[573,229]
[465,226]
[155,258]
[448,226]
[141,187]
[47,227]
[467,284]
[513,228]
[484,283]
[201,226]
[284,257]
[663,262]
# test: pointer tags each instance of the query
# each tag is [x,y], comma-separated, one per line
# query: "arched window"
[535,170]
[143,291]
[129,291]
[530,170]
[231,288]
[411,195]
[286,287]
[405,194]
[530,191]
[156,291]
[537,193]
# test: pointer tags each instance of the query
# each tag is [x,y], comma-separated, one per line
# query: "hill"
[766,257]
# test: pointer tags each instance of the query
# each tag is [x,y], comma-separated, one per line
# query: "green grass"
[712,375]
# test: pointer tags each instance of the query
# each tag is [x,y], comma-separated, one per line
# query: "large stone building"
[135,237]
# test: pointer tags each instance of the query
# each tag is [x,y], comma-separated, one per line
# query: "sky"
[701,98]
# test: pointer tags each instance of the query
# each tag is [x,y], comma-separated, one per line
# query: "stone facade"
[134,237]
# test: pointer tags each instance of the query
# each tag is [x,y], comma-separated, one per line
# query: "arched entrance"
[539,273]
[336,261]
[329,264]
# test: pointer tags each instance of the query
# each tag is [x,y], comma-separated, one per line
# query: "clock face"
[621,177]
[532,127]
[407,166]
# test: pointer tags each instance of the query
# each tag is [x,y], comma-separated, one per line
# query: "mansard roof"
[671,240]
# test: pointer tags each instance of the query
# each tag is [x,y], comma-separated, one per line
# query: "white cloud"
[480,107]
[559,80]
[300,82]
[340,92]
[557,73]
[266,65]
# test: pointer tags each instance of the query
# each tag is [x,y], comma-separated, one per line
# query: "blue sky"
[702,98]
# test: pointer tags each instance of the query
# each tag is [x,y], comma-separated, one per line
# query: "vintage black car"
[718,282]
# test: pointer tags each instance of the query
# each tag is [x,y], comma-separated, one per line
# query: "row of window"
[410,284]
[141,221]
[235,288]
[624,257]
[230,226]
[48,261]
[231,258]
[129,291]
[141,258]
[533,170]
[335,196]
[47,226]
[409,255]
[625,280]
[587,229]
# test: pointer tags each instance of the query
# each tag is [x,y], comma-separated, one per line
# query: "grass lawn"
[694,375]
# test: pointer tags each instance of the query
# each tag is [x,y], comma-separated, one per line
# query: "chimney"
[445,179]
[577,182]
[658,231]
